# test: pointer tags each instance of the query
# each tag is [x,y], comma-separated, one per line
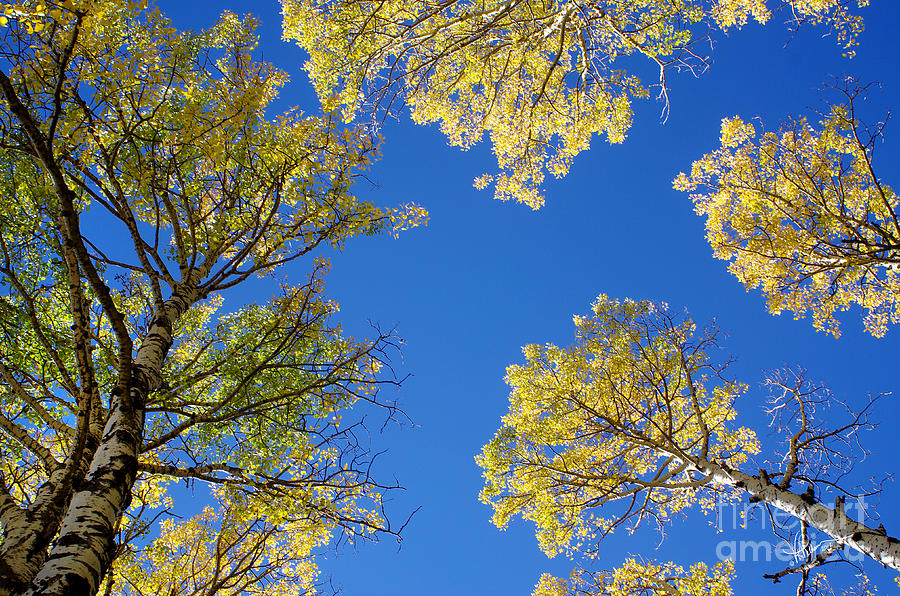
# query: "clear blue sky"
[485,278]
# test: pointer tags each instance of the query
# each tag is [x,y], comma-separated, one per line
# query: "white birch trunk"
[834,523]
[84,547]
[26,534]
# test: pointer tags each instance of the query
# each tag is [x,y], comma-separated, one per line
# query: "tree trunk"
[85,545]
[833,522]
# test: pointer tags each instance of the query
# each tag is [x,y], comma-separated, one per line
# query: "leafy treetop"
[540,78]
[802,215]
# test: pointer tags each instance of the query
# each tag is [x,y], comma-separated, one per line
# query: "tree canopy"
[540,78]
[149,174]
[803,216]
[635,423]
[143,178]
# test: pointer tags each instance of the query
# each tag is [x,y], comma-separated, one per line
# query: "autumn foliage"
[146,173]
[539,78]
[143,177]
[802,215]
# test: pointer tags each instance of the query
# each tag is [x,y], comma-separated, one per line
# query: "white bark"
[26,533]
[15,524]
[834,523]
[84,547]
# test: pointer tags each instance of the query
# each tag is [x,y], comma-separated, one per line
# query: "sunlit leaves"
[635,423]
[834,14]
[801,215]
[159,152]
[539,78]
[259,395]
[642,578]
[225,551]
[621,412]
[180,121]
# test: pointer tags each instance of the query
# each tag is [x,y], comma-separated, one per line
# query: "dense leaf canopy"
[802,215]
[143,178]
[540,78]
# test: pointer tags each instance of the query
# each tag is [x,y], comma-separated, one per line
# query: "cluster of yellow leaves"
[621,412]
[540,78]
[735,13]
[802,216]
[642,578]
[29,17]
[536,76]
[225,550]
[407,216]
[272,398]
[35,17]
[260,539]
[228,168]
[833,14]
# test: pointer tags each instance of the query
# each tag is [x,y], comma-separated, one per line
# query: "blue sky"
[485,278]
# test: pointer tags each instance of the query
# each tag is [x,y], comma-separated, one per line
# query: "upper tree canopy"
[142,177]
[625,411]
[802,215]
[634,423]
[541,78]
